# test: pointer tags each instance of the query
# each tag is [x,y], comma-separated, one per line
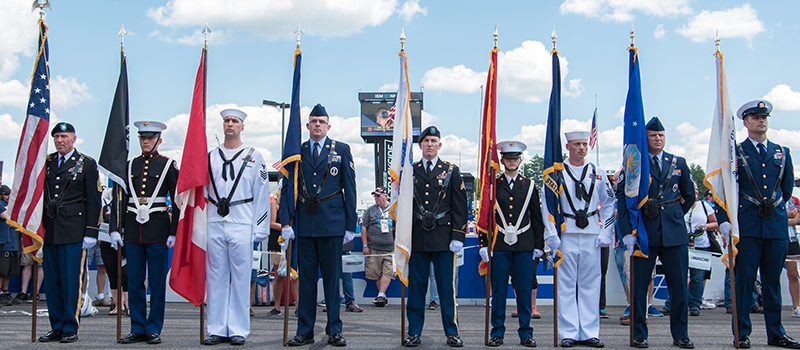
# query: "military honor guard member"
[326,219]
[670,198]
[239,215]
[587,201]
[438,230]
[519,240]
[71,220]
[765,185]
[148,232]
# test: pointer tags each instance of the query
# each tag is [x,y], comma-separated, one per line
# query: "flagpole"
[286,292]
[555,253]
[402,286]
[206,32]
[630,273]
[115,189]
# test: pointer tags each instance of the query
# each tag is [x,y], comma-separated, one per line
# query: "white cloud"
[622,10]
[67,92]
[738,22]
[523,73]
[10,130]
[428,119]
[783,98]
[660,32]
[278,18]
[620,113]
[216,37]
[686,129]
[388,87]
[13,93]
[18,33]
[411,8]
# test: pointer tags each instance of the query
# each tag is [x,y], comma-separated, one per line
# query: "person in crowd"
[377,238]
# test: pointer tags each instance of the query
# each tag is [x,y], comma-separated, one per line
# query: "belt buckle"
[142,201]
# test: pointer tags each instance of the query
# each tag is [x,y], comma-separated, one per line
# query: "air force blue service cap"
[233,112]
[150,128]
[576,135]
[511,149]
[754,107]
[62,127]
[655,125]
[319,111]
[430,131]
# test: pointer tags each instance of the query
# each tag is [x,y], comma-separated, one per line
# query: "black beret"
[430,131]
[62,127]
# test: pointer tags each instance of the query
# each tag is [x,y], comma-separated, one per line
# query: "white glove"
[39,253]
[287,233]
[456,246]
[484,253]
[537,253]
[170,241]
[348,236]
[725,228]
[116,240]
[554,243]
[630,243]
[602,241]
[89,242]
[259,236]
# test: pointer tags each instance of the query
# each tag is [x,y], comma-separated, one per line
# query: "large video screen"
[375,119]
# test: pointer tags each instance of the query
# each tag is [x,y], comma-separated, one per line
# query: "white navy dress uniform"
[230,237]
[579,275]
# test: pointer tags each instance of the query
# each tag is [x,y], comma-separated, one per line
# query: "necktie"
[657,166]
[429,167]
[61,161]
[315,153]
[511,184]
[762,150]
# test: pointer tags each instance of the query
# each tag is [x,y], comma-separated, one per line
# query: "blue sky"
[353,44]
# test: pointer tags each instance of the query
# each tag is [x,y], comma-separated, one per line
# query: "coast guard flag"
[402,173]
[553,162]
[489,162]
[25,204]
[721,165]
[635,169]
[188,274]
[290,165]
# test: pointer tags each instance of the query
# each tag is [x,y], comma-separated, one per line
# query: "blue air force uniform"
[441,193]
[71,212]
[331,177]
[670,198]
[146,236]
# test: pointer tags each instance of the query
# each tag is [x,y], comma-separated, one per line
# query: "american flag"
[277,165]
[25,203]
[593,134]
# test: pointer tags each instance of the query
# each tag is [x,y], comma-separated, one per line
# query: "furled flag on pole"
[593,134]
[489,164]
[553,160]
[635,169]
[402,173]
[290,166]
[25,205]
[721,165]
[114,154]
[187,277]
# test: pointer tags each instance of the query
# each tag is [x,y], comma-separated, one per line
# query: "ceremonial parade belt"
[581,216]
[54,205]
[143,201]
[429,217]
[224,204]
[652,207]
[144,206]
[510,232]
[766,206]
[313,201]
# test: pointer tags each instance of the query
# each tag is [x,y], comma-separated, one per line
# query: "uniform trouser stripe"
[80,287]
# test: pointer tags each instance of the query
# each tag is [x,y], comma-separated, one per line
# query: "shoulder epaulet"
[448,163]
[85,156]
[50,156]
[415,163]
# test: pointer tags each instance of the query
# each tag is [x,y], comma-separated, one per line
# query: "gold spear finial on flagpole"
[206,32]
[554,37]
[716,40]
[495,36]
[41,4]
[402,39]
[632,34]
[298,32]
[122,33]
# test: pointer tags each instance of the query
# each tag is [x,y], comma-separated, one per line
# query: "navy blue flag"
[290,165]
[553,160]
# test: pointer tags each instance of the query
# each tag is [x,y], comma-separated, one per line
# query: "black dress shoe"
[640,343]
[412,341]
[784,342]
[215,339]
[299,340]
[594,343]
[568,343]
[694,312]
[744,342]
[496,341]
[153,338]
[337,340]
[684,343]
[54,335]
[133,338]
[528,341]
[69,337]
[454,341]
[237,340]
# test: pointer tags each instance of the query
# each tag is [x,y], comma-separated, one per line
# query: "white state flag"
[402,173]
[721,176]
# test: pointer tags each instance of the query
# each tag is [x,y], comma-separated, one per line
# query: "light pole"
[282,106]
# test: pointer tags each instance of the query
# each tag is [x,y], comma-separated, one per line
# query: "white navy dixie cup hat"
[511,149]
[150,128]
[576,135]
[233,112]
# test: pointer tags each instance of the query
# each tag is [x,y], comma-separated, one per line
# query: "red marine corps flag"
[489,163]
